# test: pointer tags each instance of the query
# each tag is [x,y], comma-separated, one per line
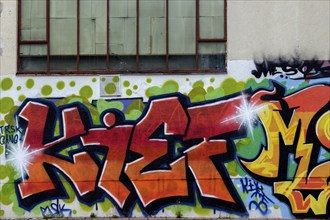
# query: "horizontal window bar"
[33,42]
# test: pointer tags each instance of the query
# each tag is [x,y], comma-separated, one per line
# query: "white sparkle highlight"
[247,114]
[21,157]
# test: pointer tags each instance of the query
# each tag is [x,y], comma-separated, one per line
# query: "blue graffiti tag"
[260,199]
[55,210]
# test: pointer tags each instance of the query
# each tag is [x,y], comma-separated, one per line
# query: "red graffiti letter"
[157,184]
[116,140]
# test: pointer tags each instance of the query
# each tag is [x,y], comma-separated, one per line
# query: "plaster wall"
[252,142]
[273,29]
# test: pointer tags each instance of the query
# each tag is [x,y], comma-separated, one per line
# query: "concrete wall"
[273,29]
[253,142]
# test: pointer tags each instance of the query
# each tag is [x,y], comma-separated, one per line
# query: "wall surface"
[253,142]
[278,28]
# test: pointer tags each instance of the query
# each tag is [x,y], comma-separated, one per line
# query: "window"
[113,36]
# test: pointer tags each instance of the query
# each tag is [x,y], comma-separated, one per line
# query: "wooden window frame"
[108,69]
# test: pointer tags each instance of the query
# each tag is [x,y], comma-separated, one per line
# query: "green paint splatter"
[212,80]
[230,86]
[149,80]
[103,105]
[6,103]
[36,210]
[137,208]
[178,146]
[106,205]
[248,149]
[68,190]
[92,109]
[232,168]
[210,89]
[168,87]
[72,84]
[326,155]
[74,211]
[135,87]
[215,93]
[197,94]
[18,88]
[115,79]
[2,212]
[292,167]
[187,79]
[60,85]
[86,207]
[86,91]
[2,122]
[1,149]
[126,83]
[4,172]
[57,128]
[75,99]
[133,115]
[129,92]
[276,207]
[198,83]
[29,83]
[251,83]
[134,110]
[94,80]
[6,84]
[8,189]
[46,90]
[110,88]
[200,210]
[21,98]
[103,79]
[179,209]
[16,208]
[9,118]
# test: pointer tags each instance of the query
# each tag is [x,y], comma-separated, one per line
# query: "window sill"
[111,72]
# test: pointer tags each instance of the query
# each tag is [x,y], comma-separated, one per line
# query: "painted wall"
[187,147]
[250,143]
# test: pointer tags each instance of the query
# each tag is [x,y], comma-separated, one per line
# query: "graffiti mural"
[237,149]
[293,68]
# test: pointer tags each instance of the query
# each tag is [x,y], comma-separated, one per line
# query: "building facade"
[199,108]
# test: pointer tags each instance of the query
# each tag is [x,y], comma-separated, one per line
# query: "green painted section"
[60,85]
[110,88]
[6,103]
[86,91]
[46,90]
[6,84]
[29,83]
[169,86]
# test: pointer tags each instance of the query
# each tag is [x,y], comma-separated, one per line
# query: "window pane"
[33,57]
[93,34]
[33,20]
[63,34]
[182,34]
[92,62]
[211,55]
[152,27]
[182,27]
[122,35]
[182,62]
[211,19]
[63,27]
[152,37]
